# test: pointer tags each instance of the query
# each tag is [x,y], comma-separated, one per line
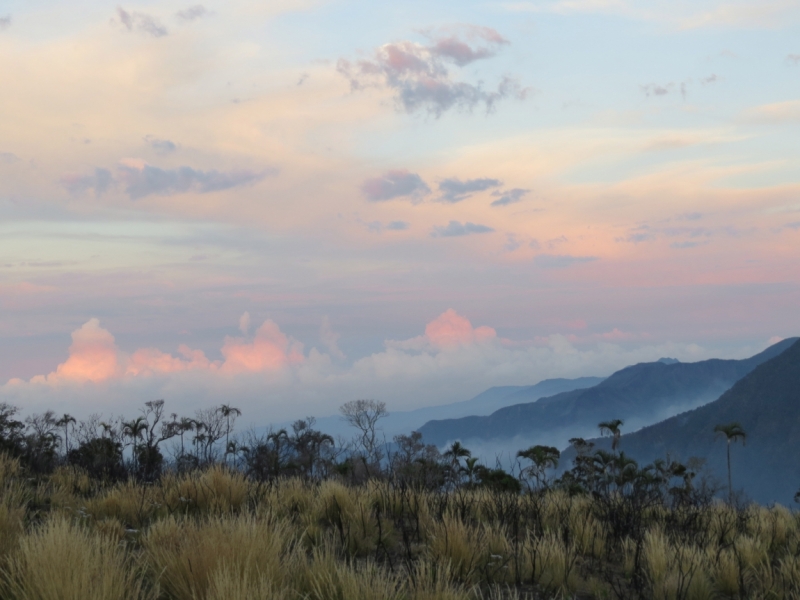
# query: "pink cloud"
[270,350]
[450,330]
[151,361]
[93,355]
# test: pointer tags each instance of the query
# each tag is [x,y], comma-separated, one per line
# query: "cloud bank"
[140,179]
[272,377]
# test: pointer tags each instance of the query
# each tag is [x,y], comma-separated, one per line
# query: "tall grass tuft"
[186,555]
[65,561]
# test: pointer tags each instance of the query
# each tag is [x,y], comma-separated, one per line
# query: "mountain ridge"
[669,388]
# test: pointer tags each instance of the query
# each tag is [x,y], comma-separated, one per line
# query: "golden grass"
[214,535]
[64,561]
[186,554]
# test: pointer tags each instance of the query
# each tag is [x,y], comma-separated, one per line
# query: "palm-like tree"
[612,428]
[542,457]
[228,411]
[456,452]
[64,422]
[134,430]
[733,432]
[471,469]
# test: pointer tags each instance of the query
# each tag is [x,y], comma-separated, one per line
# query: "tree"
[543,458]
[227,412]
[733,432]
[65,421]
[156,431]
[455,453]
[364,416]
[612,428]
[470,469]
[134,430]
[10,429]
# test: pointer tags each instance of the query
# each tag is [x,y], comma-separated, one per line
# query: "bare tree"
[364,416]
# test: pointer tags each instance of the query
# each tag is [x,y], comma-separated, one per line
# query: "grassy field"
[215,534]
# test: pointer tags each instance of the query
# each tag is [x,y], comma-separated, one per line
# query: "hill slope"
[641,394]
[484,403]
[766,403]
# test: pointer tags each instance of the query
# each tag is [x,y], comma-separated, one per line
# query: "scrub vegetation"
[298,515]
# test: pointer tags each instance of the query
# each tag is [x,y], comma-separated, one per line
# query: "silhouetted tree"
[228,411]
[733,432]
[543,458]
[364,416]
[612,428]
[65,421]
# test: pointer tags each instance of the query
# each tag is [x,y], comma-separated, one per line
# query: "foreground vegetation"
[215,534]
[297,515]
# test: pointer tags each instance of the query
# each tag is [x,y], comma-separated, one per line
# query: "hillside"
[766,403]
[641,394]
[488,401]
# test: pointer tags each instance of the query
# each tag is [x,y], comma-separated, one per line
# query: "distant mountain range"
[766,402]
[404,422]
[641,394]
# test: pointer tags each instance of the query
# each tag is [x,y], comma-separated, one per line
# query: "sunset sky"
[288,204]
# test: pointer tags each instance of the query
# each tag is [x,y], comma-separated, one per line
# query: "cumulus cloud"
[92,355]
[159,145]
[396,183]
[420,75]
[449,331]
[506,197]
[244,323]
[141,22]
[330,339]
[95,357]
[560,261]
[455,229]
[271,379]
[454,190]
[192,13]
[270,349]
[99,182]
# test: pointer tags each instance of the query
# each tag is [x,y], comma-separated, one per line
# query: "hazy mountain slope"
[483,404]
[641,394]
[766,403]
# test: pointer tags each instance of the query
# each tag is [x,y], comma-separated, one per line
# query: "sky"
[287,205]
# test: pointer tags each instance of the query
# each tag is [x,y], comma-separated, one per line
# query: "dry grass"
[215,535]
[64,561]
